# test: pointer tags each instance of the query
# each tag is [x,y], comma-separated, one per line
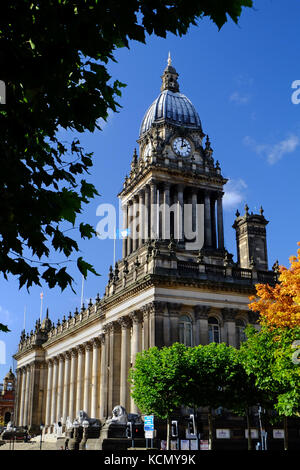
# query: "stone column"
[147,213]
[207,221]
[146,328]
[114,365]
[66,392]
[174,310]
[54,391]
[166,212]
[72,410]
[22,397]
[60,386]
[129,221]
[153,215]
[180,214]
[103,376]
[142,212]
[94,382]
[229,315]
[135,345]
[135,236]
[87,367]
[201,316]
[49,392]
[220,223]
[25,416]
[213,222]
[80,372]
[125,226]
[194,211]
[125,361]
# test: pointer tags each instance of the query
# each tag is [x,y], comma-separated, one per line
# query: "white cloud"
[234,193]
[5,316]
[274,153]
[239,98]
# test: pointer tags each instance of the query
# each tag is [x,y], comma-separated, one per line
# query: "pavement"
[29,446]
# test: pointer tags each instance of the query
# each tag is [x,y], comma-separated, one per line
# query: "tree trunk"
[210,429]
[168,433]
[286,435]
[249,429]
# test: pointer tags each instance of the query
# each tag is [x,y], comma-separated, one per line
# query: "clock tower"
[174,190]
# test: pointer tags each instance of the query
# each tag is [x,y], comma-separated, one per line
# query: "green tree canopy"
[268,355]
[53,58]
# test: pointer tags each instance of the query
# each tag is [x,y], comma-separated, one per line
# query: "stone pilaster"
[103,375]
[66,386]
[201,316]
[72,388]
[94,382]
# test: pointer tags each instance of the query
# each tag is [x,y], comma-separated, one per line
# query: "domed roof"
[10,375]
[171,105]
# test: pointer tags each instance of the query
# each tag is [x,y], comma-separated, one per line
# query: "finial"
[261,211]
[47,313]
[246,209]
[237,214]
[169,59]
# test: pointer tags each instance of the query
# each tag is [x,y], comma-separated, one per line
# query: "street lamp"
[41,428]
[85,425]
[14,438]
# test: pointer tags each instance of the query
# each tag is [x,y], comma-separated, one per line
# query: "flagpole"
[41,295]
[114,247]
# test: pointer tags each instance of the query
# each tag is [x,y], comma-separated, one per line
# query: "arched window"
[7,417]
[240,331]
[185,330]
[213,330]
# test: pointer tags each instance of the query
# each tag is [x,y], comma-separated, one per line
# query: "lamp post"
[41,428]
[85,425]
[14,437]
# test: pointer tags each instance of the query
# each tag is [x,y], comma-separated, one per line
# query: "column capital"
[174,307]
[102,338]
[73,352]
[67,355]
[124,322]
[201,311]
[96,342]
[136,316]
[80,349]
[229,314]
[88,345]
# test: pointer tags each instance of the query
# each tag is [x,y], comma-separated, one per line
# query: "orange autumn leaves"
[279,306]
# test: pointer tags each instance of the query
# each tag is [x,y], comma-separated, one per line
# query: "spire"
[169,78]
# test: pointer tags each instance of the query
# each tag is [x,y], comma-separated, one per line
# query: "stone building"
[175,282]
[7,398]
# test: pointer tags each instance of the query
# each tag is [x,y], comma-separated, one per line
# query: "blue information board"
[149,423]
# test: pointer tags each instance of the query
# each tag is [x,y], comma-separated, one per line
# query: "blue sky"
[239,80]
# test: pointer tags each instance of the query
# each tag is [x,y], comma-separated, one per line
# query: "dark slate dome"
[171,105]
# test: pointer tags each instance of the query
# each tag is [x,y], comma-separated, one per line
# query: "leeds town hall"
[176,282]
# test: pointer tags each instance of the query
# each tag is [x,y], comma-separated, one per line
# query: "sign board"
[278,433]
[204,445]
[149,434]
[149,423]
[254,433]
[223,433]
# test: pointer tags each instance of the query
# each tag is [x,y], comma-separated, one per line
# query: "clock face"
[181,146]
[147,150]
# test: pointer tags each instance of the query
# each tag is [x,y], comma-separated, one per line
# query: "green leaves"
[57,79]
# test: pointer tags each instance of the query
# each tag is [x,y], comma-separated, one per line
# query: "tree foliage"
[53,60]
[268,355]
[279,306]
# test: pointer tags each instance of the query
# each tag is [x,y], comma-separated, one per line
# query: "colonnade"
[92,376]
[157,211]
